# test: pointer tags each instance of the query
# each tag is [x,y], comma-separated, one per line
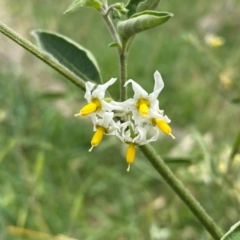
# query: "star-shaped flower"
[134,136]
[103,125]
[95,98]
[142,102]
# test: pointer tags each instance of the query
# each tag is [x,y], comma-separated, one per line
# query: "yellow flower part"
[97,137]
[163,126]
[143,107]
[93,106]
[130,156]
[214,41]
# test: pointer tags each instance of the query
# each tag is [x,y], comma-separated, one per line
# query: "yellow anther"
[91,107]
[97,137]
[130,156]
[143,107]
[163,126]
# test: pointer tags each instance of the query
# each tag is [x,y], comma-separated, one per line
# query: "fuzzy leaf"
[142,21]
[132,7]
[114,44]
[70,54]
[147,5]
[233,233]
[76,5]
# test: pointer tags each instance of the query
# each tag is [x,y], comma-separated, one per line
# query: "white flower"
[160,122]
[102,125]
[142,102]
[134,136]
[95,98]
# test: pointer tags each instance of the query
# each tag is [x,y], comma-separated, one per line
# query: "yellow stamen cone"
[97,137]
[143,107]
[91,107]
[130,156]
[163,126]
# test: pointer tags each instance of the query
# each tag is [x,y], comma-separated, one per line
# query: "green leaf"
[70,54]
[114,44]
[134,6]
[147,5]
[233,233]
[142,21]
[76,5]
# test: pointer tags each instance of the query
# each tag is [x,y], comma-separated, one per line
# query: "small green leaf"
[233,233]
[120,7]
[114,44]
[70,54]
[76,5]
[132,7]
[147,5]
[142,21]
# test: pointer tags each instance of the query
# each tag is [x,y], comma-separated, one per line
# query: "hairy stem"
[182,192]
[122,53]
[123,72]
[45,57]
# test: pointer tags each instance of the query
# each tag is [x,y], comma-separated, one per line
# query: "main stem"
[156,160]
[181,191]
[122,53]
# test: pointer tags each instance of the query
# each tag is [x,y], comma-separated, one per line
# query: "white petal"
[154,137]
[88,93]
[99,92]
[129,104]
[94,119]
[158,115]
[139,92]
[141,137]
[108,106]
[107,118]
[113,128]
[117,105]
[158,86]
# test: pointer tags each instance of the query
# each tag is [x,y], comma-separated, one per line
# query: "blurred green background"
[52,188]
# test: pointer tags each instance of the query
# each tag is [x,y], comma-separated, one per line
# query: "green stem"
[123,73]
[122,52]
[182,192]
[45,57]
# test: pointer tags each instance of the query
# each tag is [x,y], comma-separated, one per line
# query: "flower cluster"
[141,118]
